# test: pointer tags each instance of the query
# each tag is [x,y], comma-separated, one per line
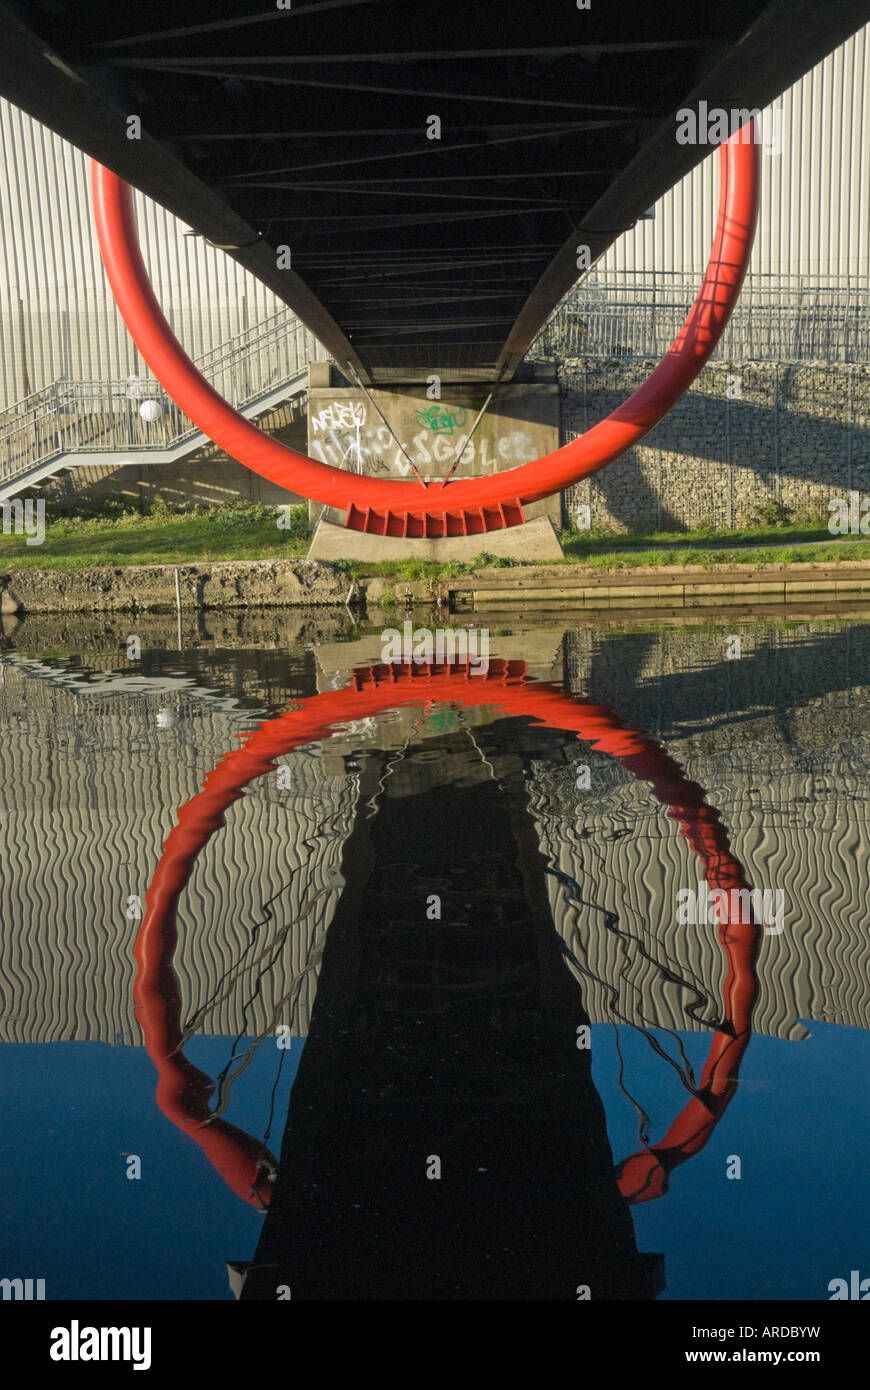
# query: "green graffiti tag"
[441,420]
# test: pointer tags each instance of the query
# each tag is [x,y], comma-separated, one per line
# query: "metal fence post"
[730,501]
[851,430]
[57,430]
[778,479]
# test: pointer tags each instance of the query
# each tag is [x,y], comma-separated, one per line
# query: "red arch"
[469,505]
[183,1091]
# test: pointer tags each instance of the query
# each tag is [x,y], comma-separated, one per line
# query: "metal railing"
[71,417]
[784,318]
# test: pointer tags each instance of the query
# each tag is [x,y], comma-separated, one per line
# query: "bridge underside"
[313,128]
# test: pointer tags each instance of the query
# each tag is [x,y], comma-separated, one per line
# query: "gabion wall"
[745,433]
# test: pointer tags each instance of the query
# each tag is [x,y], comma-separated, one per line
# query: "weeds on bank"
[119,535]
[109,531]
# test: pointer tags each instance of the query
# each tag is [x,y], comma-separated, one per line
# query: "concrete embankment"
[672,586]
[241,584]
[152,588]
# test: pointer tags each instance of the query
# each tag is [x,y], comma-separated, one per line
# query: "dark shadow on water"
[445,1139]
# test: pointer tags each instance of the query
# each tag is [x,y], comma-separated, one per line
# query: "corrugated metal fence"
[58,318]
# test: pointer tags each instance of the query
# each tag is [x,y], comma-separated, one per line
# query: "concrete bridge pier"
[431,430]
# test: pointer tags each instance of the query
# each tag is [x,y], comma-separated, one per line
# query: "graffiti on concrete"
[341,434]
[440,419]
[342,415]
[339,415]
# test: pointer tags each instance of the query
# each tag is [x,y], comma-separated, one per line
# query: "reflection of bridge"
[444,1138]
[461,1037]
[64,842]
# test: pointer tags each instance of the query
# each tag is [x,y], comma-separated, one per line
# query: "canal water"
[541,977]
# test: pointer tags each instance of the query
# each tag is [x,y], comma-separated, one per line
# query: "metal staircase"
[72,424]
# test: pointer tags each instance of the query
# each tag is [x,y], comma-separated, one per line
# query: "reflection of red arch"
[182,1090]
[468,506]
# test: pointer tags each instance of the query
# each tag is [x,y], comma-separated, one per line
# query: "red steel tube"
[182,1091]
[729,258]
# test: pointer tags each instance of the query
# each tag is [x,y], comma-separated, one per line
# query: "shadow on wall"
[801,433]
[631,481]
